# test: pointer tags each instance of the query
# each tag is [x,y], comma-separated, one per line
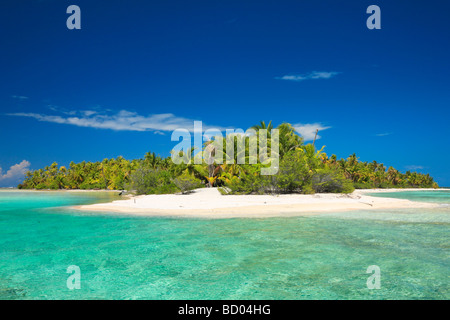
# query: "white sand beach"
[209,203]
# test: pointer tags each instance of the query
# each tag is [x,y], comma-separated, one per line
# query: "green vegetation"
[110,174]
[302,169]
[151,181]
[187,182]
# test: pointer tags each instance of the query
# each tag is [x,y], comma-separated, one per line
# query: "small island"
[303,170]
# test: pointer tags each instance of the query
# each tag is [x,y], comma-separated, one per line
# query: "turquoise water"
[123,257]
[439,196]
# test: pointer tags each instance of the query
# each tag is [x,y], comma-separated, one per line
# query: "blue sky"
[137,69]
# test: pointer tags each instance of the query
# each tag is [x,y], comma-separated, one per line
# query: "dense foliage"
[110,174]
[302,169]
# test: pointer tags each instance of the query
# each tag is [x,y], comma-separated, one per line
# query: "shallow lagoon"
[316,257]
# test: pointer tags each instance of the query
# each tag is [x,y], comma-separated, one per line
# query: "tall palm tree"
[288,138]
[209,153]
[262,125]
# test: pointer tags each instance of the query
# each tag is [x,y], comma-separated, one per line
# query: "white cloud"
[308,130]
[122,121]
[14,175]
[88,113]
[414,167]
[310,76]
[20,97]
[61,110]
[383,134]
[85,113]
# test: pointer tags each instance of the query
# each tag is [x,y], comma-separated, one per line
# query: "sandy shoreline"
[209,203]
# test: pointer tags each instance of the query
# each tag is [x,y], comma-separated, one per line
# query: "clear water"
[439,196]
[123,257]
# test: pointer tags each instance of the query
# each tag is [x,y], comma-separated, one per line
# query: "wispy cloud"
[309,76]
[414,167]
[88,113]
[308,130]
[121,121]
[19,97]
[71,112]
[61,110]
[384,134]
[14,175]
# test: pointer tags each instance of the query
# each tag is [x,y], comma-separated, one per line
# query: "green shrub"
[164,189]
[293,174]
[327,180]
[248,184]
[363,185]
[307,189]
[151,181]
[187,182]
[385,185]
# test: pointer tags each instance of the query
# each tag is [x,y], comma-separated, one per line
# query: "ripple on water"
[316,257]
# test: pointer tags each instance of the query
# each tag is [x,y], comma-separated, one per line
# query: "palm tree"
[262,125]
[209,153]
[102,166]
[152,160]
[288,138]
[393,176]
